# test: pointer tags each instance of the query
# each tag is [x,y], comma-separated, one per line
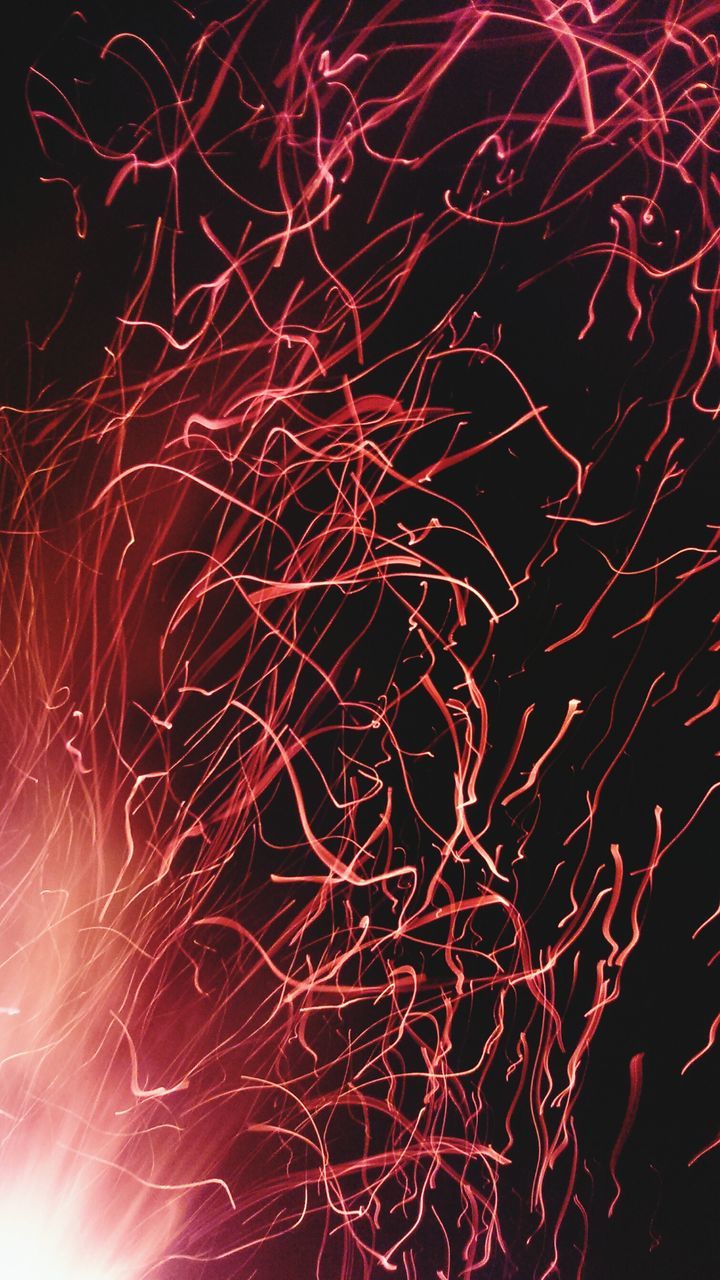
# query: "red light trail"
[357,637]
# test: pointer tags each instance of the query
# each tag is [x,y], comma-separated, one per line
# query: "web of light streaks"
[311,908]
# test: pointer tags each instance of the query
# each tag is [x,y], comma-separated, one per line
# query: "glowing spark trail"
[357,902]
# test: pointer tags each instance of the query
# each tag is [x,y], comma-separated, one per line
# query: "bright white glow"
[36,1244]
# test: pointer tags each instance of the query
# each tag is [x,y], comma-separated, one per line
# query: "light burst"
[356,646]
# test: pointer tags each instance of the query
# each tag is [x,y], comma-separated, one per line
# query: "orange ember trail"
[358,541]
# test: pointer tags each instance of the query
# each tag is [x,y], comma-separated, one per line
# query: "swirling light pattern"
[358,530]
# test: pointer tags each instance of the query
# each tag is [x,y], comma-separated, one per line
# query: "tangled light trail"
[358,526]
